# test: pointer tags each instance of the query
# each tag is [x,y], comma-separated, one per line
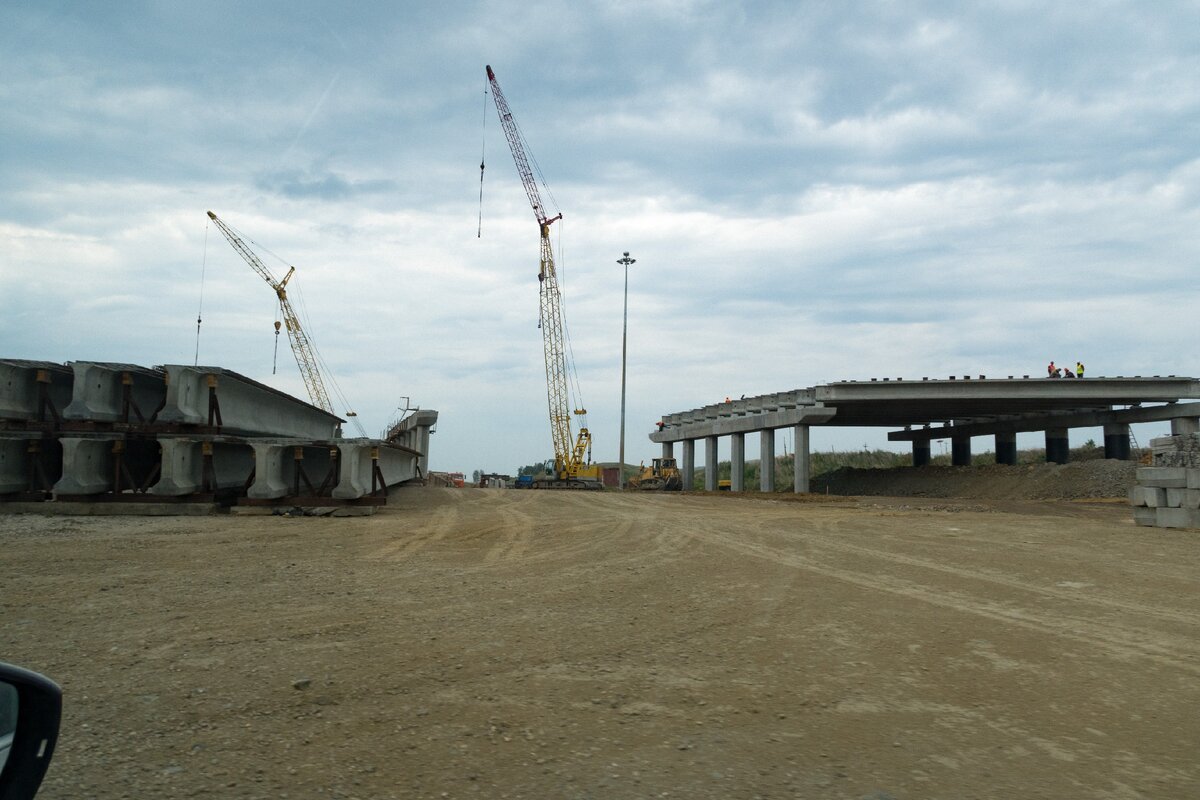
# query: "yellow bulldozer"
[661,476]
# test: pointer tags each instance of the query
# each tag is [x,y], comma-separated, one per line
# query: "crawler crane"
[302,348]
[572,459]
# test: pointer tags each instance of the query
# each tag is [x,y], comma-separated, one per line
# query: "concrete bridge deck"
[924,410]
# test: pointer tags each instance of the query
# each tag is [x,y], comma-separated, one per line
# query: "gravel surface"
[523,644]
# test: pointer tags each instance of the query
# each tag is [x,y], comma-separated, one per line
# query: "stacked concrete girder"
[33,391]
[413,433]
[955,409]
[103,392]
[96,430]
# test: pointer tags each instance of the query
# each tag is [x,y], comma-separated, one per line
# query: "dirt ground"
[525,644]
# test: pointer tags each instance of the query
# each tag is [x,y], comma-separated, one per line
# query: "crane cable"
[200,308]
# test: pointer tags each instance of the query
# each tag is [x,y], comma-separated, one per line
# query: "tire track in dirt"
[1073,597]
[443,521]
[1116,639]
[831,538]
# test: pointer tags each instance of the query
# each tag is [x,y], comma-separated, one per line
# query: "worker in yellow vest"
[1078,369]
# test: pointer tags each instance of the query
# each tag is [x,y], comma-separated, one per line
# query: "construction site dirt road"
[524,644]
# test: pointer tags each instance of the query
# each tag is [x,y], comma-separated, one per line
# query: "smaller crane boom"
[302,348]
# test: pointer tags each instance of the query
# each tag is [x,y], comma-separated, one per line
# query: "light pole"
[626,261]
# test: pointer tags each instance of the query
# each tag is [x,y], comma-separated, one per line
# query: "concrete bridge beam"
[114,392]
[269,480]
[246,406]
[87,465]
[183,466]
[14,462]
[358,460]
[33,390]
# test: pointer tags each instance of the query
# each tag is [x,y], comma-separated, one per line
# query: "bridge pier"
[960,451]
[1058,447]
[737,462]
[920,452]
[766,461]
[1116,442]
[1185,426]
[1006,448]
[688,466]
[668,449]
[710,463]
[800,466]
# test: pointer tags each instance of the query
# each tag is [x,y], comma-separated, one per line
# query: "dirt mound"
[1084,479]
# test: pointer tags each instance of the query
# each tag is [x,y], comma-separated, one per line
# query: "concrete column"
[269,480]
[1006,448]
[766,462]
[668,449]
[737,462]
[182,462]
[710,463]
[960,451]
[1058,447]
[801,463]
[1185,426]
[920,450]
[689,464]
[87,466]
[1116,442]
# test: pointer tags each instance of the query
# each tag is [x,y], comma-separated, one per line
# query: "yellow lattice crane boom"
[302,348]
[572,455]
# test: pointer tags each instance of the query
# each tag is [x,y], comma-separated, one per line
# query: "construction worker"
[1051,371]
[1067,372]
[1078,369]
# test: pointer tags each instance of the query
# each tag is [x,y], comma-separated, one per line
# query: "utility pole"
[626,261]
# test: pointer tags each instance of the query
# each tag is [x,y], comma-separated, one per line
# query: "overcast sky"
[813,191]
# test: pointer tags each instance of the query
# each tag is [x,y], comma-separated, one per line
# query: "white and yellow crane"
[306,355]
[572,456]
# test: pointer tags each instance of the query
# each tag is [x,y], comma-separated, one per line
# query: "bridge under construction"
[921,411]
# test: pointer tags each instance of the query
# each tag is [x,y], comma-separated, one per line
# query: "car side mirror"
[30,712]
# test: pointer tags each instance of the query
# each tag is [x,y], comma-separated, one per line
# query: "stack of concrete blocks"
[95,420]
[1167,495]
